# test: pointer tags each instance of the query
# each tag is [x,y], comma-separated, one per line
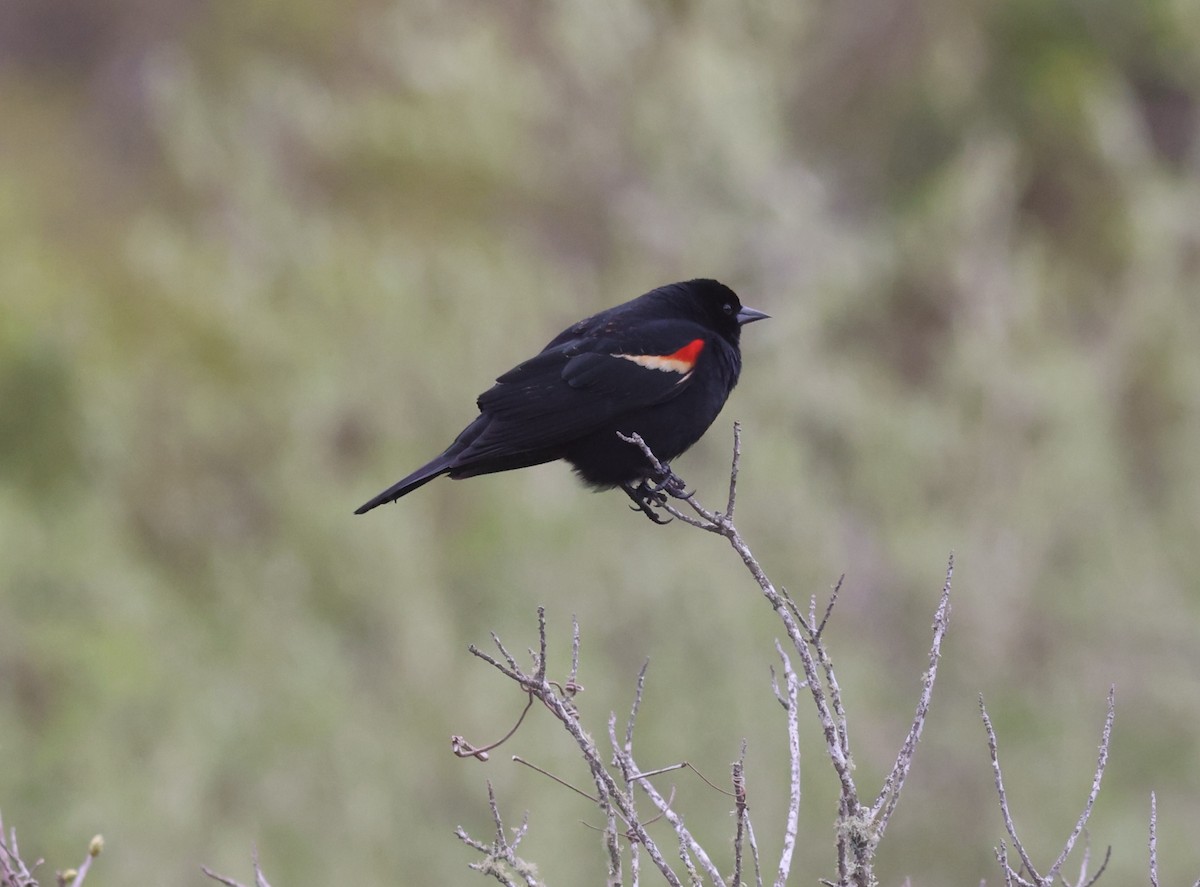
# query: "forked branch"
[859,828]
[1026,874]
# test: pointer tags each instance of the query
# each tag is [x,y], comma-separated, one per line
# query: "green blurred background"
[257,259]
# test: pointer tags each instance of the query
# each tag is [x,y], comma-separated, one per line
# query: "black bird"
[660,365]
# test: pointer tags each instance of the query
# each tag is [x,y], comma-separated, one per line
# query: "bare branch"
[733,475]
[889,795]
[610,797]
[688,865]
[15,873]
[859,829]
[1101,764]
[791,704]
[573,678]
[670,768]
[259,879]
[685,836]
[842,728]
[228,882]
[1153,840]
[94,847]
[517,759]
[508,657]
[758,881]
[1009,826]
[539,674]
[833,596]
[1053,874]
[13,870]
[637,704]
[611,835]
[613,845]
[500,860]
[513,672]
[1100,871]
[740,811]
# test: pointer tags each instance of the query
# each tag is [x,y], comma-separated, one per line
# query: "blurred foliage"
[257,259]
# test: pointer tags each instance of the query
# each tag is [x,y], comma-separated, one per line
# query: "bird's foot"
[646,498]
[667,481]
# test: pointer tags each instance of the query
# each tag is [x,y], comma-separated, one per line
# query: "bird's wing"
[575,387]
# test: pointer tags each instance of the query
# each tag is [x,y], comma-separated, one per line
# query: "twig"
[614,848]
[500,858]
[611,835]
[670,768]
[715,522]
[634,854]
[637,704]
[1154,843]
[508,657]
[1153,840]
[791,704]
[1009,826]
[1053,873]
[517,759]
[15,873]
[859,830]
[512,671]
[740,810]
[13,870]
[632,774]
[539,674]
[573,678]
[833,596]
[259,879]
[464,749]
[610,796]
[685,837]
[758,881]
[889,795]
[1100,871]
[814,630]
[688,865]
[733,475]
[1002,858]
[1101,764]
[95,846]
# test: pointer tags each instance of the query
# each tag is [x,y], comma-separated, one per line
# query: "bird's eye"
[727,308]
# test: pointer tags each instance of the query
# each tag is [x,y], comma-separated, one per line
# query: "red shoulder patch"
[688,353]
[682,361]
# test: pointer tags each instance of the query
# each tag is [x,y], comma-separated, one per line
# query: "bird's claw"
[646,497]
[644,508]
[670,483]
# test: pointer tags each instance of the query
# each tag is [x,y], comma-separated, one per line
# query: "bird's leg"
[667,481]
[644,496]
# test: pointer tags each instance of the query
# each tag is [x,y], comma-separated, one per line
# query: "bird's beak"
[749,315]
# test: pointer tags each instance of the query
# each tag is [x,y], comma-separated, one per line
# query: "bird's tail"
[421,476]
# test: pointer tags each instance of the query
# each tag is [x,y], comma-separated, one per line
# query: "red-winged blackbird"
[660,366]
